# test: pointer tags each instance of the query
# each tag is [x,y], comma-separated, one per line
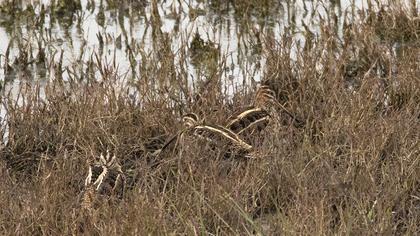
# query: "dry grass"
[352,168]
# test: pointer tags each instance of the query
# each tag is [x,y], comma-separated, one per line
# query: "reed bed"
[351,167]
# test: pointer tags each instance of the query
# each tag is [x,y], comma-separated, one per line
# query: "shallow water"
[232,33]
[121,32]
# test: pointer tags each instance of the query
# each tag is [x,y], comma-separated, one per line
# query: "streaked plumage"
[258,116]
[266,98]
[105,177]
[190,120]
[249,119]
[214,134]
[220,135]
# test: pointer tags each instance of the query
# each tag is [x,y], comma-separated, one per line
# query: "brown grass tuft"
[352,167]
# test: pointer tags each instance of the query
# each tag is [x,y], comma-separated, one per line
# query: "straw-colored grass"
[352,166]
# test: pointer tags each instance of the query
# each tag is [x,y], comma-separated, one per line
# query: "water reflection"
[34,34]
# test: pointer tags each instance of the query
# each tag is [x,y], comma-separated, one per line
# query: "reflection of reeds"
[204,55]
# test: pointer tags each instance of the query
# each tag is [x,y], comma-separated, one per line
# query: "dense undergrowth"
[353,167]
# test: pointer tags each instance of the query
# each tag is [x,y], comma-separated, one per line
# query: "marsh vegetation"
[337,153]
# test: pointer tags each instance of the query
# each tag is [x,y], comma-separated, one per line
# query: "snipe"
[216,135]
[264,108]
[105,177]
